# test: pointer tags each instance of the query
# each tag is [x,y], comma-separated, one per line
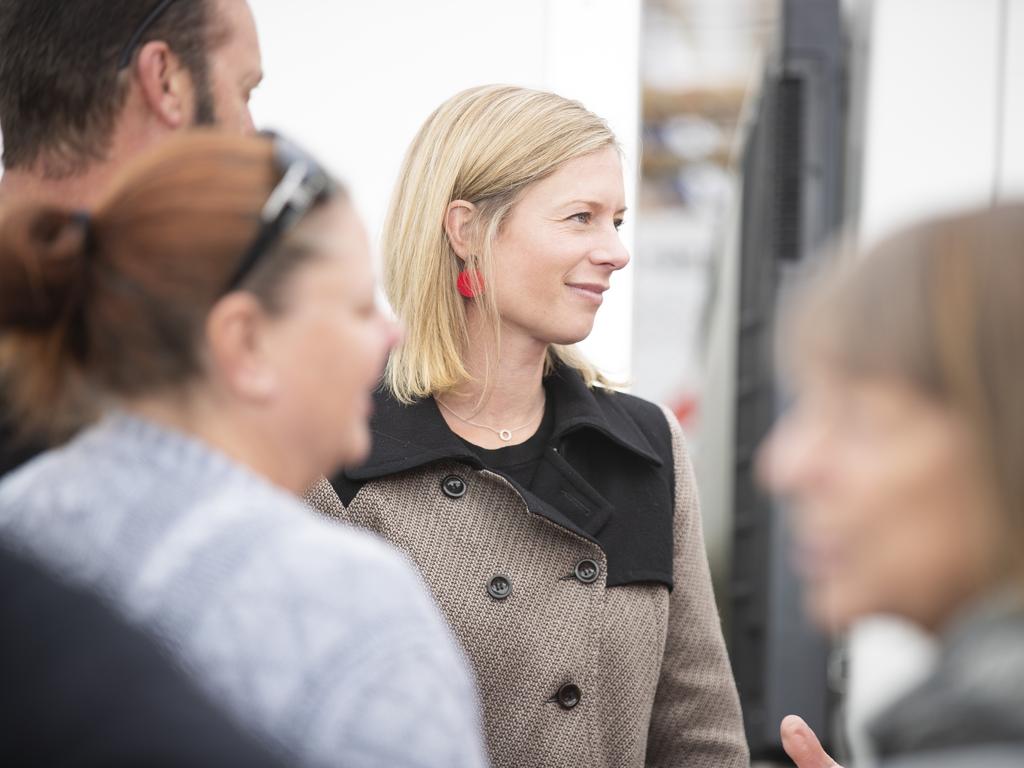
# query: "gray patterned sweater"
[317,636]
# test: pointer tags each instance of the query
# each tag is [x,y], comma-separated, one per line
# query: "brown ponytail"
[115,306]
[42,266]
[44,254]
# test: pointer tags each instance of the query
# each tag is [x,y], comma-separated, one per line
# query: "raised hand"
[802,745]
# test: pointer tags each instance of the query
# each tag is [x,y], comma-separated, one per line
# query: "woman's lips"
[819,559]
[592,292]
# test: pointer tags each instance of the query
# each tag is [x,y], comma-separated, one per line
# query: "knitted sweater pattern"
[318,636]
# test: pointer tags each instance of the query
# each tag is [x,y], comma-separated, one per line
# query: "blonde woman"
[555,521]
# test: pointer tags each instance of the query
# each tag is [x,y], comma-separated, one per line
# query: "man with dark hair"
[86,85]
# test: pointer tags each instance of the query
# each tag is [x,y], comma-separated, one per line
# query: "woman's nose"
[786,457]
[611,252]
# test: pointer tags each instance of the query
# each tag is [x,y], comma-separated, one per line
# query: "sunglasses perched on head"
[302,187]
[129,49]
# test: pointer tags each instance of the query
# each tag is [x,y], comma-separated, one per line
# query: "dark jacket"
[82,689]
[603,646]
[969,712]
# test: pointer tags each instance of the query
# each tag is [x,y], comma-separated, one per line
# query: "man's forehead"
[236,20]
[239,27]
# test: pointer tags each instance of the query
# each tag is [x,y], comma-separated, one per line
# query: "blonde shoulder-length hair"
[485,146]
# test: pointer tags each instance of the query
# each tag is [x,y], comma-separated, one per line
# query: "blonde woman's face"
[556,251]
[886,504]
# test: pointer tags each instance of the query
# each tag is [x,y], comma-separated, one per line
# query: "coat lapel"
[407,437]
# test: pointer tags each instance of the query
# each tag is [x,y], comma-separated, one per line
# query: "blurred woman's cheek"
[783,458]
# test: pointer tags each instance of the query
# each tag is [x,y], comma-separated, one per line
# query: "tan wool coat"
[571,671]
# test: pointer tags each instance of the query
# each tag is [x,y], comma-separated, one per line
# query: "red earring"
[470,283]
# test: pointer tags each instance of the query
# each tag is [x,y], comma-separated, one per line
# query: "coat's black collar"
[603,480]
[577,407]
[410,436]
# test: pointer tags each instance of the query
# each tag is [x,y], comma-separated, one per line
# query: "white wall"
[354,81]
[930,134]
[1011,170]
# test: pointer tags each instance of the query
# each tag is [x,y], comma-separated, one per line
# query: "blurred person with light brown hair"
[555,520]
[218,309]
[902,457]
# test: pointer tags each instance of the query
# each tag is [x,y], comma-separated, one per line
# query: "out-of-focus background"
[754,132]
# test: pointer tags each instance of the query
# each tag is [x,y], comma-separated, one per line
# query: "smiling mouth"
[591,291]
[818,561]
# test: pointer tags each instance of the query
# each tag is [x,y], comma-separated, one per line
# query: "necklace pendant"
[505,435]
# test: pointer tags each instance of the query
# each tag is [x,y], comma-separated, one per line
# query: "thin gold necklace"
[504,434]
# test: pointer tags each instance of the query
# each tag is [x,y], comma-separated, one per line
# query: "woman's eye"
[618,223]
[582,218]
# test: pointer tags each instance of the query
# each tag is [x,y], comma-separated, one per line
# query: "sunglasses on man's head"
[303,186]
[129,50]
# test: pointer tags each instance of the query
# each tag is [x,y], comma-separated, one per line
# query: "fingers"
[802,745]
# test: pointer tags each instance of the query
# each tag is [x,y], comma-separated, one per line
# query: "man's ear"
[166,84]
[237,351]
[459,224]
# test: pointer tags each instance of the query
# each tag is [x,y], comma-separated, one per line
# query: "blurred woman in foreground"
[903,457]
[219,309]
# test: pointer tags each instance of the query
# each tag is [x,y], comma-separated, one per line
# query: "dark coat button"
[499,588]
[454,487]
[587,571]
[569,696]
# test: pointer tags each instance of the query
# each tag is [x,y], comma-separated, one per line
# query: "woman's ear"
[166,84]
[459,222]
[237,348]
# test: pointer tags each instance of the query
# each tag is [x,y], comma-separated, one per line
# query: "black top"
[969,711]
[82,689]
[519,462]
[608,477]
